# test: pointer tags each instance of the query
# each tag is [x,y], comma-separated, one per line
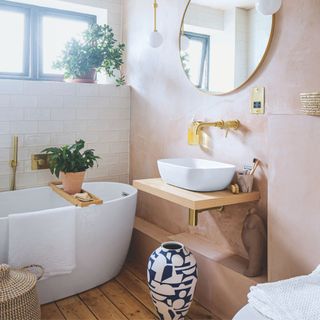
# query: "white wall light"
[268,7]
[155,39]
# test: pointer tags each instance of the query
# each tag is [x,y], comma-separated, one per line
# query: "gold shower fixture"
[14,163]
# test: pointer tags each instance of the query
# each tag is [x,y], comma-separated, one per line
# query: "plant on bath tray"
[97,50]
[69,164]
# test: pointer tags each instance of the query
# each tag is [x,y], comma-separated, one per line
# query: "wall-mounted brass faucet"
[14,163]
[197,126]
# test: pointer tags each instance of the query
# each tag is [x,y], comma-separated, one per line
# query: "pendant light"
[268,7]
[155,39]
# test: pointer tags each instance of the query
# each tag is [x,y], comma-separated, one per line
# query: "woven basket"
[310,103]
[18,295]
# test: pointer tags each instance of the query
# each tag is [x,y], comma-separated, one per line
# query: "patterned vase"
[172,277]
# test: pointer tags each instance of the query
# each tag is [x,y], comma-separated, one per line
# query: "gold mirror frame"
[252,73]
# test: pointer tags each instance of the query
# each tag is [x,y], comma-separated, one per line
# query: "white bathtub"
[102,236]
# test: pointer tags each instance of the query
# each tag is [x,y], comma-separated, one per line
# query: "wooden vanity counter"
[193,200]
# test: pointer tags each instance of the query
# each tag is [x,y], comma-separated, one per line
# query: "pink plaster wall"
[164,102]
[294,201]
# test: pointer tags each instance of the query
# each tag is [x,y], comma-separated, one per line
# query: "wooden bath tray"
[78,203]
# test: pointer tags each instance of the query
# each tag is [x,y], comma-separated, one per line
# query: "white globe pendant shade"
[268,7]
[155,39]
[184,43]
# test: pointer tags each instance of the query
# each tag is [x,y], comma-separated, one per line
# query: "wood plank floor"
[125,297]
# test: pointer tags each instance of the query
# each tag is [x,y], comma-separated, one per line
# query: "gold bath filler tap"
[195,131]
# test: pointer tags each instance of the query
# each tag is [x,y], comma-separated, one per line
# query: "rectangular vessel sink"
[196,174]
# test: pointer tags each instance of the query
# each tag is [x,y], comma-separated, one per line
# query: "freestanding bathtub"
[103,234]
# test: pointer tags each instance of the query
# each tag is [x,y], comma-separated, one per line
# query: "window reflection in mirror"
[198,66]
[227,40]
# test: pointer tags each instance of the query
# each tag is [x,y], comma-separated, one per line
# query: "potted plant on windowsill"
[96,51]
[69,164]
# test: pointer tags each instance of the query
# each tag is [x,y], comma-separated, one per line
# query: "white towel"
[43,237]
[293,299]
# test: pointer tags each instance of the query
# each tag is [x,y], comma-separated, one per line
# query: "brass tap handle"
[41,162]
[232,124]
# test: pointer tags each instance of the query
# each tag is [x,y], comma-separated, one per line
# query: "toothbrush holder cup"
[245,182]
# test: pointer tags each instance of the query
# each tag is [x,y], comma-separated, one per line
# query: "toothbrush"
[247,169]
[256,162]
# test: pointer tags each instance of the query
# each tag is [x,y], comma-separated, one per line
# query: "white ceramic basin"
[196,174]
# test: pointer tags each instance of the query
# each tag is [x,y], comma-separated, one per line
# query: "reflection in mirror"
[227,41]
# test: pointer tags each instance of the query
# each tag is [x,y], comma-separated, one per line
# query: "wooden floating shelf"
[193,200]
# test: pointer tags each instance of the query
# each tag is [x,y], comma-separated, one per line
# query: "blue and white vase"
[172,277]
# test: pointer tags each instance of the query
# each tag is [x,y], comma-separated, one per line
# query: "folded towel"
[43,237]
[293,299]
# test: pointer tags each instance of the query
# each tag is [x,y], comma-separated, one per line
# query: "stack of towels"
[293,299]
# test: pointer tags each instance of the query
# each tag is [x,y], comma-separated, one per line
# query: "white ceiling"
[226,4]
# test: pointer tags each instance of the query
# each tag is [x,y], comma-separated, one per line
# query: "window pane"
[12,28]
[56,31]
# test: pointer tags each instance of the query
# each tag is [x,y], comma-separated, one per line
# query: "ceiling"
[225,4]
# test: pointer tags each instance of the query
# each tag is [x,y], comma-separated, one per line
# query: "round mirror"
[223,42]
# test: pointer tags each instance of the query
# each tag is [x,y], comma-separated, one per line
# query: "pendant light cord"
[155,6]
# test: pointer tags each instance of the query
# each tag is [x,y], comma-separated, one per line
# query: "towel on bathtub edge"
[44,237]
[293,299]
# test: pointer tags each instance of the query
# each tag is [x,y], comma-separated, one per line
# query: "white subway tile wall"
[46,114]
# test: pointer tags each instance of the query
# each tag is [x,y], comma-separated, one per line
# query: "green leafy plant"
[96,49]
[69,158]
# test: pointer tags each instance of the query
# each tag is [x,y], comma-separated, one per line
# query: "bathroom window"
[198,61]
[33,37]
[14,52]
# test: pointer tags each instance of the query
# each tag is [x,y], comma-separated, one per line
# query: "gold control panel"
[257,100]
[39,162]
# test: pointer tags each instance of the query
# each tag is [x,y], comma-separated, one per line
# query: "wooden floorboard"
[74,309]
[125,297]
[137,288]
[101,306]
[125,301]
[50,311]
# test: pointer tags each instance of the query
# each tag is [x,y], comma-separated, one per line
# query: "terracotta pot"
[72,181]
[89,77]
